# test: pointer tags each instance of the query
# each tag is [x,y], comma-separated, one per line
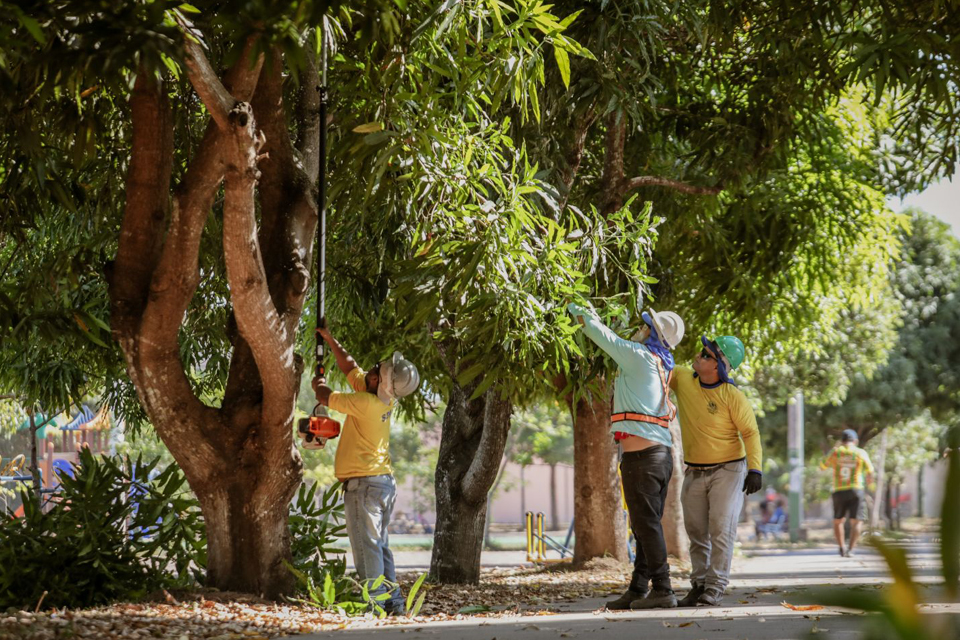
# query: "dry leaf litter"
[231,616]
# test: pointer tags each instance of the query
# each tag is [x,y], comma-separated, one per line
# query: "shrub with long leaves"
[110,532]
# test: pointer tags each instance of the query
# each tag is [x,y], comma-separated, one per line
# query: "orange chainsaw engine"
[319,426]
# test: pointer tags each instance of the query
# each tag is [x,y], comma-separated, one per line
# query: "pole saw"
[315,430]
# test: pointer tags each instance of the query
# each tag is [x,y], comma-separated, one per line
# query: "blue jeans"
[368,504]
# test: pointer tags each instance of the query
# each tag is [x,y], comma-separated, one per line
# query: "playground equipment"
[315,430]
[58,449]
[538,542]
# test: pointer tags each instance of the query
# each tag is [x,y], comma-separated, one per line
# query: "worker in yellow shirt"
[850,464]
[722,454]
[363,462]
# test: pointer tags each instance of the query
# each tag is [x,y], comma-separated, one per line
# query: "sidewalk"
[752,607]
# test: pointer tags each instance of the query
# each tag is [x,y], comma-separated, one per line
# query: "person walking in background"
[723,455]
[641,424]
[850,464]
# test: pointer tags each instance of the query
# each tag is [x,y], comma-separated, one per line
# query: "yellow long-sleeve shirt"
[717,424]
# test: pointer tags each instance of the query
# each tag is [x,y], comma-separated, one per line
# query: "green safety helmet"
[731,349]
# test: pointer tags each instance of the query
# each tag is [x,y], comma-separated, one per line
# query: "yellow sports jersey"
[717,424]
[849,464]
[364,448]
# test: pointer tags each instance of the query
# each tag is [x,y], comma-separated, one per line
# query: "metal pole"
[322,224]
[528,518]
[920,495]
[34,469]
[795,462]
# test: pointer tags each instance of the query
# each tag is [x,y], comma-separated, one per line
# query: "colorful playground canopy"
[85,419]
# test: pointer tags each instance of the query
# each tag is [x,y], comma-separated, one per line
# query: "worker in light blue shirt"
[640,423]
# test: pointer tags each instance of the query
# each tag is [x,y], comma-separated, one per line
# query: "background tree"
[921,373]
[549,439]
[208,286]
[677,104]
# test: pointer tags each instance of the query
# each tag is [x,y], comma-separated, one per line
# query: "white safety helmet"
[669,327]
[398,378]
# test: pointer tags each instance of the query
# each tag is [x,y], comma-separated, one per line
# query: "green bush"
[93,544]
[313,530]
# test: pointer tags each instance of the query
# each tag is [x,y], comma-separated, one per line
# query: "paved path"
[752,607]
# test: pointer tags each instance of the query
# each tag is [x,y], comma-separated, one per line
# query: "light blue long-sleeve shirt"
[638,388]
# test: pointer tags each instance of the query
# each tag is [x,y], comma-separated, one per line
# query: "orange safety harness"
[662,421]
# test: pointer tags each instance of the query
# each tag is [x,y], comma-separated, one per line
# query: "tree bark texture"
[599,525]
[674,531]
[240,458]
[472,442]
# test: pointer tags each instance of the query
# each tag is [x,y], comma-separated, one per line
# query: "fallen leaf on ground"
[804,607]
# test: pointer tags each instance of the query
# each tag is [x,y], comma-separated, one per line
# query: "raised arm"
[345,361]
[623,352]
[322,391]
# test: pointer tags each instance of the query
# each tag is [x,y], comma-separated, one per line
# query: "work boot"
[394,607]
[690,600]
[656,599]
[711,597]
[629,597]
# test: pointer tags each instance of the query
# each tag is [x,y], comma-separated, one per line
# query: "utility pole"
[795,462]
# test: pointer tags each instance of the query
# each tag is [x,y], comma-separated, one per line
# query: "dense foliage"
[117,529]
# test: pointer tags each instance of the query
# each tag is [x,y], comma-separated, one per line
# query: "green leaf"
[414,589]
[473,608]
[33,27]
[563,63]
[369,127]
[416,609]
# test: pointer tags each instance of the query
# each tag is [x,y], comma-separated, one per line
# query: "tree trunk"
[599,526]
[247,535]
[523,494]
[472,441]
[554,523]
[887,510]
[674,532]
[239,458]
[598,523]
[881,477]
[896,507]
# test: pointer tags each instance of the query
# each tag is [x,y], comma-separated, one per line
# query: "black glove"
[753,482]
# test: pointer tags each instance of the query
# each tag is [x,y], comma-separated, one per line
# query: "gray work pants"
[712,498]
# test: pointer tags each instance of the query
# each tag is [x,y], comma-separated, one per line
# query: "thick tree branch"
[574,154]
[242,78]
[205,80]
[177,275]
[308,120]
[147,205]
[676,185]
[483,469]
[288,207]
[256,316]
[612,181]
